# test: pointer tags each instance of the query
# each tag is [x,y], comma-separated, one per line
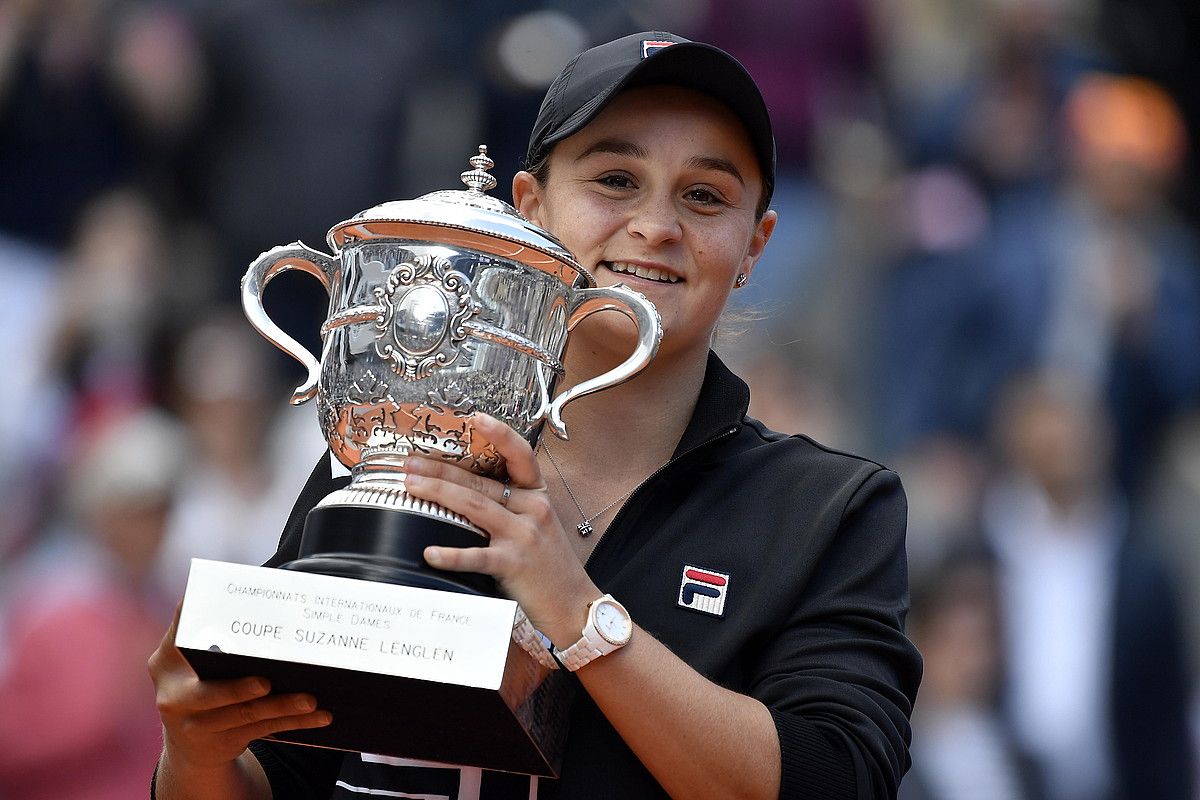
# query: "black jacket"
[813,543]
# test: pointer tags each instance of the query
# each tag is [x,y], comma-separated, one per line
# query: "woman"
[652,160]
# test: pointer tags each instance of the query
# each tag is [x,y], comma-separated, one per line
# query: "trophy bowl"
[441,307]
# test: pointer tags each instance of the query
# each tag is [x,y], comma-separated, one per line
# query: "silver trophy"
[439,307]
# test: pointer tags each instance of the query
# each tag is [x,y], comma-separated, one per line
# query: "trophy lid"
[469,219]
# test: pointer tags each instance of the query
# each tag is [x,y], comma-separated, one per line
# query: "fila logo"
[703,590]
[649,46]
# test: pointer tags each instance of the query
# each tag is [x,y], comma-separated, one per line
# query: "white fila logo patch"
[649,46]
[703,590]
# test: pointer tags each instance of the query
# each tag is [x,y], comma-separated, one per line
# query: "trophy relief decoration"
[424,305]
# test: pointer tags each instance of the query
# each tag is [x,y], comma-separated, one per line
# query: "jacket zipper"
[722,435]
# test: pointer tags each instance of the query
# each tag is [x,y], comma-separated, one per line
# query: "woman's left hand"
[529,554]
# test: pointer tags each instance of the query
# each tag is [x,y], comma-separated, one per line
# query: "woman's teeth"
[649,273]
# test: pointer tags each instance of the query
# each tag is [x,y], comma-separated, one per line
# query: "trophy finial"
[479,179]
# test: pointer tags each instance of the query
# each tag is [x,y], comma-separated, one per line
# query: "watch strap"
[533,641]
[579,654]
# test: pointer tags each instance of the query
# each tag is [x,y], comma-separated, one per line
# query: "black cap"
[590,80]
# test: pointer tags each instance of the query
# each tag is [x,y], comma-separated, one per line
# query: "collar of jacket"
[723,400]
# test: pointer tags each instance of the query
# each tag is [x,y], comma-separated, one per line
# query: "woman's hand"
[207,724]
[643,688]
[529,554]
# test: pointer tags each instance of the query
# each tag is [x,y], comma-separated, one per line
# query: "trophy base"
[378,544]
[405,672]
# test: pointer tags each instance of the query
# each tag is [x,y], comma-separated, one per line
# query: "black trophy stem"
[377,544]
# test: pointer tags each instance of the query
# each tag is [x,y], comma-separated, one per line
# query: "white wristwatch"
[608,628]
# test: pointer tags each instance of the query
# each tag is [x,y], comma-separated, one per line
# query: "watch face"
[613,623]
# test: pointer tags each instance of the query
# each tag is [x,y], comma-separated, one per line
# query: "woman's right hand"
[207,724]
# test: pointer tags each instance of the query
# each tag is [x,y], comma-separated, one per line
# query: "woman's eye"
[615,181]
[704,197]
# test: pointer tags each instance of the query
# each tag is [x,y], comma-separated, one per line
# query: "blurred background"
[986,276]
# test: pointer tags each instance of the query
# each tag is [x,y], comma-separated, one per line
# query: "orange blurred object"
[1127,119]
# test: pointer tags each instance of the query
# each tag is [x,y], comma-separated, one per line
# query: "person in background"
[80,612]
[247,455]
[1113,269]
[963,747]
[1097,671]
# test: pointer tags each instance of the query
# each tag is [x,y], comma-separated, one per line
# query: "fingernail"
[412,480]
[260,686]
[306,703]
[433,554]
[325,718]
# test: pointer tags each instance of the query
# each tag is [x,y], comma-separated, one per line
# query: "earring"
[741,280]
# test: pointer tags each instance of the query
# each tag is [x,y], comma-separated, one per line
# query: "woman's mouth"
[647,273]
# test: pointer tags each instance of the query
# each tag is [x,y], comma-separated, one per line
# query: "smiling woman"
[757,647]
[659,188]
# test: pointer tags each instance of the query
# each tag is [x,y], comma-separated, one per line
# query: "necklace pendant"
[584,528]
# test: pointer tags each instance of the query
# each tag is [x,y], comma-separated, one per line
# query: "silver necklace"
[585,528]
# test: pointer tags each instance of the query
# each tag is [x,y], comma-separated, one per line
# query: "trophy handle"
[267,266]
[634,305]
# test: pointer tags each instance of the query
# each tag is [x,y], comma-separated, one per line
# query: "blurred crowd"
[986,276]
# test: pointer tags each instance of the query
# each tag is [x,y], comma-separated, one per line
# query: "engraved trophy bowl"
[439,307]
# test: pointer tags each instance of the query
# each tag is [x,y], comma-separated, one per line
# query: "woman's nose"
[656,220]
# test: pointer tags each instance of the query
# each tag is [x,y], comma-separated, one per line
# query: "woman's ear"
[527,197]
[762,234]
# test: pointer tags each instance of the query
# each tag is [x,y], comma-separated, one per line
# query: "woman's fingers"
[478,497]
[167,655]
[208,695]
[272,709]
[214,735]
[193,741]
[460,559]
[267,727]
[490,489]
[521,534]
[210,722]
[477,505]
[522,464]
[179,691]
